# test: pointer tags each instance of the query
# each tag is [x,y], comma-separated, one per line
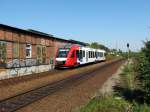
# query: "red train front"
[66,57]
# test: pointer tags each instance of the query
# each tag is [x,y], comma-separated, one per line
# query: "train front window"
[62,53]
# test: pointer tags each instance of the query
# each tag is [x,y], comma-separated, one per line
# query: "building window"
[28,50]
[15,50]
[2,52]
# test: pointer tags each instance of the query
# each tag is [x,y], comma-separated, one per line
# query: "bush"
[140,108]
[144,76]
[143,69]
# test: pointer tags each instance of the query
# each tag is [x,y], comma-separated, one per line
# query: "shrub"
[144,76]
[144,70]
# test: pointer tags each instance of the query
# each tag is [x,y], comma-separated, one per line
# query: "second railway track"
[16,102]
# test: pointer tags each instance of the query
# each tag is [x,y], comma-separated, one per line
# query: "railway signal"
[127,45]
[128,50]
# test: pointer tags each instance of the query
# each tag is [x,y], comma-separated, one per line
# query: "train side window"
[96,54]
[83,53]
[77,53]
[89,54]
[93,54]
[101,54]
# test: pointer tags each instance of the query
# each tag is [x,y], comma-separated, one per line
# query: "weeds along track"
[16,102]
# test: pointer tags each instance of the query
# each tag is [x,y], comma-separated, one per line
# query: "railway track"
[16,102]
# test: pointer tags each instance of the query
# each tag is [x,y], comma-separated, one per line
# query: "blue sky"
[109,22]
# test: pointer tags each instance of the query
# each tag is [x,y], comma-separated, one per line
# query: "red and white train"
[75,55]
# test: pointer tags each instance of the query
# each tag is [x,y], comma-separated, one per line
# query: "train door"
[73,58]
[78,56]
[83,57]
[96,55]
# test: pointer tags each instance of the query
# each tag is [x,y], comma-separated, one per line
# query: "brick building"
[28,48]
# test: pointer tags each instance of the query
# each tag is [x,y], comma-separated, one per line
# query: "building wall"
[16,49]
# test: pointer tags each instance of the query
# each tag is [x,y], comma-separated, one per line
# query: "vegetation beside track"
[125,98]
[132,94]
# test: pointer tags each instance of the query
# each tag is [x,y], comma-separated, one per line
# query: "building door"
[41,54]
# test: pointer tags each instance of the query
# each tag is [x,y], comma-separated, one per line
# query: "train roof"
[89,48]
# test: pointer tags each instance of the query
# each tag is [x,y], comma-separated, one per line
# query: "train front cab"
[66,57]
[72,57]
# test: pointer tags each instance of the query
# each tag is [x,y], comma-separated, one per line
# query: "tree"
[96,45]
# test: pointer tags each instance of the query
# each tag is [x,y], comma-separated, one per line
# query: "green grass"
[112,104]
[106,104]
[111,57]
[129,78]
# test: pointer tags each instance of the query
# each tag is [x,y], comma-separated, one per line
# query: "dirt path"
[107,88]
[77,94]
